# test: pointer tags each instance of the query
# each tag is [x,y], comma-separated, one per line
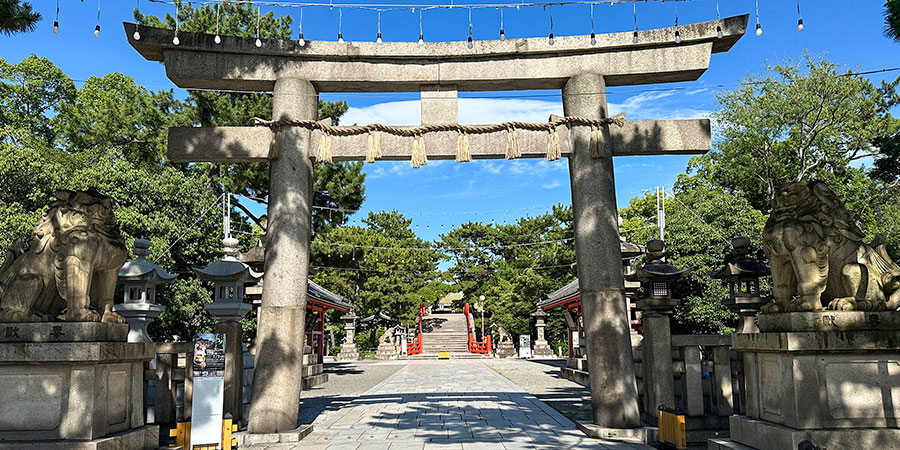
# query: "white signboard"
[524,346]
[209,389]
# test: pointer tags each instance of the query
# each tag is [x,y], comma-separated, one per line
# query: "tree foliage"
[892,19]
[801,120]
[17,16]
[337,185]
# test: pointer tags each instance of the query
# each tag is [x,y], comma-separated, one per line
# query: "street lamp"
[482,316]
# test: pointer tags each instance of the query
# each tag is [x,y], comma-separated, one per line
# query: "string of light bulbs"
[379,8]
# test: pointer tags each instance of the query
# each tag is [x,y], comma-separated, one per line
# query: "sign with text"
[208,399]
[209,355]
[524,346]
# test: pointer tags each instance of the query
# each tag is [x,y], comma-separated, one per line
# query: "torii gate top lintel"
[512,64]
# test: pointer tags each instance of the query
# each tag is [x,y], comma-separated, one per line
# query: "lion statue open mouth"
[818,256]
[71,264]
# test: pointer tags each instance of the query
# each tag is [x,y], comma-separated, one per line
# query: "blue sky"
[446,193]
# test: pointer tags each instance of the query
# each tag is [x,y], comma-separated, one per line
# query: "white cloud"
[552,185]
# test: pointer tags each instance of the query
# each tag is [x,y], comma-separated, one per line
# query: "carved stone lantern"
[229,277]
[348,349]
[742,275]
[656,277]
[141,279]
[541,347]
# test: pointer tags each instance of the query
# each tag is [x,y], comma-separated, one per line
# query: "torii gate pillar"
[614,398]
[278,375]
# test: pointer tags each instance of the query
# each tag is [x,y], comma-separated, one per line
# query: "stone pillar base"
[833,388]
[58,387]
[506,349]
[143,438]
[542,350]
[348,353]
[386,351]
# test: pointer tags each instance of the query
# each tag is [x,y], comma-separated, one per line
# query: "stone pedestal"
[506,349]
[833,379]
[386,350]
[65,389]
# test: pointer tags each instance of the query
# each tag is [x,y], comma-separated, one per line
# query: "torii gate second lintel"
[296,74]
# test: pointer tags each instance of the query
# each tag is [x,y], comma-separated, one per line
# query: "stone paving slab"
[447,405]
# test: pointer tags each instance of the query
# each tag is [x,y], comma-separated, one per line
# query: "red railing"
[415,348]
[483,347]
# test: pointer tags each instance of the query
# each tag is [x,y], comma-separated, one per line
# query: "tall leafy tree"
[800,120]
[381,266]
[109,134]
[338,186]
[17,17]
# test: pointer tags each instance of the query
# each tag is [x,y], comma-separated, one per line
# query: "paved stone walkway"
[458,405]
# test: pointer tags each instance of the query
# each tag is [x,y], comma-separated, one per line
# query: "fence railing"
[483,347]
[705,376]
[415,348]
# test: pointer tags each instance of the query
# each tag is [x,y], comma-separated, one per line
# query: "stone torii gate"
[439,70]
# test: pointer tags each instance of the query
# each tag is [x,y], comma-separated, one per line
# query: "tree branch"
[257,220]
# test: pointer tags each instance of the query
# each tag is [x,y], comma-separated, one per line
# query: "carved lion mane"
[71,263]
[818,255]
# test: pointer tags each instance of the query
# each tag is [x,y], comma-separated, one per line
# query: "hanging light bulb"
[719,33]
[634,38]
[300,39]
[258,17]
[378,39]
[677,32]
[550,39]
[175,40]
[800,19]
[758,26]
[340,24]
[469,43]
[421,34]
[56,22]
[593,36]
[136,35]
[800,25]
[677,37]
[97,28]
[502,34]
[217,39]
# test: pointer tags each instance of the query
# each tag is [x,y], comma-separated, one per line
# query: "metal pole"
[482,317]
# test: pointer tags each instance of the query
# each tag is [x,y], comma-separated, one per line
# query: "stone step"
[315,380]
[312,370]
[576,376]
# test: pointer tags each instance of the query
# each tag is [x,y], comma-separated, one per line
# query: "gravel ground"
[346,380]
[541,379]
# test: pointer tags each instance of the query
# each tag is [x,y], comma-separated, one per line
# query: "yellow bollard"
[672,431]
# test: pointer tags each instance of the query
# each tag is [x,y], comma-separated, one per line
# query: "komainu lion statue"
[71,264]
[818,256]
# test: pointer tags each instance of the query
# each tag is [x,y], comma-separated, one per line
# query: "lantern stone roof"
[228,268]
[141,269]
[740,264]
[656,268]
